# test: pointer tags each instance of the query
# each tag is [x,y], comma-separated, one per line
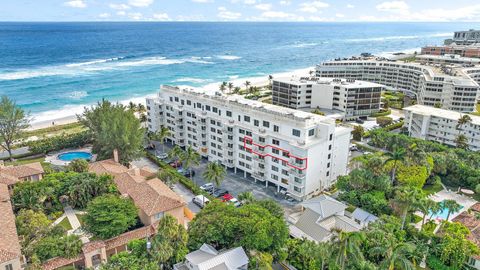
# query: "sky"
[240,10]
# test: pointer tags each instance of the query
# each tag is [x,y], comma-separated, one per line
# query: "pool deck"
[443,195]
[54,160]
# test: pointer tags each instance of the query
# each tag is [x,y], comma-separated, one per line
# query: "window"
[207,107]
[215,109]
[261,139]
[266,124]
[275,151]
[330,147]
[229,113]
[275,169]
[189,102]
[311,132]
[246,118]
[276,128]
[256,123]
[275,142]
[158,215]
[331,137]
[296,132]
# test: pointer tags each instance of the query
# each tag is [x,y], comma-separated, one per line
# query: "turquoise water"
[55,69]
[444,212]
[69,156]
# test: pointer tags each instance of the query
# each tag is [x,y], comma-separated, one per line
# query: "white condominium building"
[465,37]
[353,98]
[451,87]
[297,152]
[441,125]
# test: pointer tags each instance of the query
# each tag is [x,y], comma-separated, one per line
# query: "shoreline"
[53,118]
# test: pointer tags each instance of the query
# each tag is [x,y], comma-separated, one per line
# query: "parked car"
[235,202]
[353,148]
[187,172]
[200,200]
[208,187]
[227,197]
[161,156]
[219,192]
[176,164]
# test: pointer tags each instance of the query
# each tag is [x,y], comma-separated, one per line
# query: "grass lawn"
[56,130]
[432,189]
[65,224]
[25,161]
[80,218]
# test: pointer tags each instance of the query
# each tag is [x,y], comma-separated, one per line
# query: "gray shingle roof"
[363,216]
[324,205]
[207,258]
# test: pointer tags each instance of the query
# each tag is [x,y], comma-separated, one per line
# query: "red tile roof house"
[473,224]
[153,200]
[10,252]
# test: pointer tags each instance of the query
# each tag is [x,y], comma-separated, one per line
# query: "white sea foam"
[77,94]
[304,45]
[228,57]
[392,54]
[100,61]
[397,37]
[193,80]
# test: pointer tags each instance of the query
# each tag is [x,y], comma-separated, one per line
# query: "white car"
[235,202]
[161,155]
[200,200]
[208,187]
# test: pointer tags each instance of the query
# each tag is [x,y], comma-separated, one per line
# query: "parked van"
[201,201]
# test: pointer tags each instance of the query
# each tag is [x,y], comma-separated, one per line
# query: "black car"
[188,173]
[219,192]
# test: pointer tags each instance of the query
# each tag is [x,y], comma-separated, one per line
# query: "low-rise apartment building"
[452,87]
[441,125]
[297,152]
[352,98]
[468,37]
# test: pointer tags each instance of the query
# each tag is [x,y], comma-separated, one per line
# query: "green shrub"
[435,264]
[384,121]
[57,143]
[382,113]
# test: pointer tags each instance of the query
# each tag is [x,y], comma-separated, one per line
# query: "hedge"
[178,176]
[381,113]
[387,128]
[435,264]
[43,146]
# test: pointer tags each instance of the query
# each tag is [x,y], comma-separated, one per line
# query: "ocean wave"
[228,57]
[304,45]
[86,68]
[397,37]
[77,94]
[193,80]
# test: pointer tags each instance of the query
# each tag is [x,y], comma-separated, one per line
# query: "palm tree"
[397,156]
[141,108]
[223,86]
[214,173]
[237,90]
[230,87]
[167,177]
[132,106]
[425,206]
[246,197]
[464,119]
[349,248]
[143,118]
[461,141]
[407,197]
[161,135]
[396,256]
[190,158]
[175,153]
[247,84]
[452,207]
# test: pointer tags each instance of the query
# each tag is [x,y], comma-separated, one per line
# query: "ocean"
[53,70]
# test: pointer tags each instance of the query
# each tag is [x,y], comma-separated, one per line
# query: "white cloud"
[277,15]
[135,16]
[339,15]
[249,2]
[121,13]
[119,6]
[202,1]
[285,2]
[264,7]
[104,15]
[393,6]
[76,4]
[141,3]
[313,7]
[161,17]
[350,6]
[225,14]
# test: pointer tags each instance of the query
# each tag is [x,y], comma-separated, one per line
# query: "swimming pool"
[69,156]
[444,212]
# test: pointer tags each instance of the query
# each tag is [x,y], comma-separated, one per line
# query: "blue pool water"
[75,155]
[55,69]
[444,212]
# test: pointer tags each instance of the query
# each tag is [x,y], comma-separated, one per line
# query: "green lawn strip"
[25,161]
[65,224]
[432,189]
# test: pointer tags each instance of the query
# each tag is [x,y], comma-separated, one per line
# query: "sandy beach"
[68,114]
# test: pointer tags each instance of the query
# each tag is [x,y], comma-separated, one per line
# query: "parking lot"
[234,183]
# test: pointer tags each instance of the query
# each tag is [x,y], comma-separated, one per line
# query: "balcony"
[297,173]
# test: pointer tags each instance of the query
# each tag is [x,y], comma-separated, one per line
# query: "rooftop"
[347,83]
[12,174]
[208,258]
[9,243]
[447,114]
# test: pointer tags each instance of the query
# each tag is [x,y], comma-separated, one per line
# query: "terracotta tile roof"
[8,179]
[125,238]
[9,243]
[476,207]
[127,181]
[91,246]
[58,262]
[23,171]
[108,166]
[473,224]
[153,196]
